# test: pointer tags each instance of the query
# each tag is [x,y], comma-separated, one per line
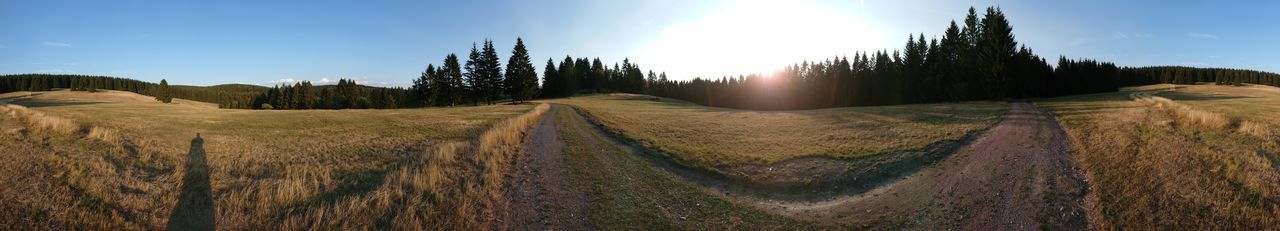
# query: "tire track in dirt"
[1018,175]
[541,195]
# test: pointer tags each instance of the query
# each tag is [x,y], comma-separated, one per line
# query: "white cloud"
[1202,35]
[1215,56]
[1119,35]
[360,80]
[56,44]
[1123,35]
[282,81]
[1195,64]
[50,71]
[323,81]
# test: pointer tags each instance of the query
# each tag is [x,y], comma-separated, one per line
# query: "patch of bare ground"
[541,195]
[1018,175]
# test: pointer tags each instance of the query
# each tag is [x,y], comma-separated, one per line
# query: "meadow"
[1178,156]
[710,137]
[121,161]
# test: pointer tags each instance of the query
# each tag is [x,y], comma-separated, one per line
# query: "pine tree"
[490,70]
[475,80]
[163,93]
[550,81]
[455,88]
[569,81]
[995,48]
[521,79]
[596,74]
[422,86]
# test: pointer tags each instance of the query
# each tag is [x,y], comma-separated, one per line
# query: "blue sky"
[390,42]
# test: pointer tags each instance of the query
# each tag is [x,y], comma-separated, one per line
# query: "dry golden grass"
[1169,163]
[456,186]
[335,169]
[710,137]
[1260,130]
[1187,115]
[39,121]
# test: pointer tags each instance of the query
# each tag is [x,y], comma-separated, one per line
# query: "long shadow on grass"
[195,205]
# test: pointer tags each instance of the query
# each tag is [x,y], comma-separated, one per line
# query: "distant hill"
[224,95]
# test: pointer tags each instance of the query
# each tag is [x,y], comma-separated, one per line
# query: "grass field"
[711,137]
[1195,157]
[633,195]
[117,160]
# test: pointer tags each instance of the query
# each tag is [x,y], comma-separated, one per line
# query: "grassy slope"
[1159,164]
[265,166]
[708,136]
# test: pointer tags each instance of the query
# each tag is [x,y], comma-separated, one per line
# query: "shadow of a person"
[194,210]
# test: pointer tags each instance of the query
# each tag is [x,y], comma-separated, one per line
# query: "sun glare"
[758,37]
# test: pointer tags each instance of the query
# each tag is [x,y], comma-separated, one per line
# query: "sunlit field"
[1179,156]
[117,160]
[710,137]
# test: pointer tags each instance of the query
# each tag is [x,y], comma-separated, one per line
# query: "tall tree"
[422,86]
[475,80]
[550,81]
[995,48]
[490,71]
[163,93]
[570,82]
[521,78]
[596,75]
[452,72]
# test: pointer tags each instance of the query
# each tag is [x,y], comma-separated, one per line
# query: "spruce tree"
[421,88]
[452,72]
[163,93]
[569,81]
[490,70]
[550,81]
[474,79]
[521,79]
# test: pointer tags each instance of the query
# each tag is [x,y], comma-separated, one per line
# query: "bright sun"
[758,37]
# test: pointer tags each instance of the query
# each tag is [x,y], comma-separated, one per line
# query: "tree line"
[1193,75]
[226,96]
[47,82]
[480,80]
[347,94]
[978,60]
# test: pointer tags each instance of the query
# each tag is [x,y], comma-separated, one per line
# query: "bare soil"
[1019,175]
[541,195]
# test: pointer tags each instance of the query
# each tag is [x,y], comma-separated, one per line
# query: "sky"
[388,43]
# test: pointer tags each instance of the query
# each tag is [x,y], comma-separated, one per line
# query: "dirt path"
[540,193]
[1018,175]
